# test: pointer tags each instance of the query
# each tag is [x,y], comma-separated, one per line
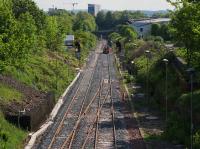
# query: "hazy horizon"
[120,5]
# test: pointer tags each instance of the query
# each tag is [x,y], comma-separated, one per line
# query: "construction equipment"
[73,5]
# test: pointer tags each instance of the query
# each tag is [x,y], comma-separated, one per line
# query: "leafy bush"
[127,32]
[162,31]
[183,103]
[114,36]
[158,39]
[177,130]
[197,140]
[10,136]
[129,78]
[87,40]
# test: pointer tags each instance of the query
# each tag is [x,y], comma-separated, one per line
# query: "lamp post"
[191,73]
[132,64]
[147,78]
[166,97]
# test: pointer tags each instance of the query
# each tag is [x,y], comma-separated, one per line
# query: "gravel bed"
[127,132]
[90,116]
[45,140]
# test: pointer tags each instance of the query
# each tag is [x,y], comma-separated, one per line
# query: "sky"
[107,4]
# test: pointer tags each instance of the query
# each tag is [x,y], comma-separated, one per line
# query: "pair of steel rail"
[83,113]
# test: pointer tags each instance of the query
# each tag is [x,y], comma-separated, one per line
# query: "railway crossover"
[93,114]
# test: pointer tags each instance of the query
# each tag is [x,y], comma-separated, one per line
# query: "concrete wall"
[146,30]
[40,113]
[36,116]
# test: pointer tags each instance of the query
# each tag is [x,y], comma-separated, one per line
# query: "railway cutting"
[94,115]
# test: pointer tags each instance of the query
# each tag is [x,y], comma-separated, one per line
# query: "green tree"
[155,28]
[23,41]
[87,39]
[162,30]
[186,25]
[127,32]
[114,36]
[109,21]
[58,12]
[85,22]
[138,15]
[64,20]
[127,15]
[64,24]
[20,7]
[180,3]
[19,42]
[100,20]
[165,32]
[23,6]
[54,41]
[161,15]
[8,29]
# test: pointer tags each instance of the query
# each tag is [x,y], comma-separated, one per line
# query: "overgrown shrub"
[197,139]
[177,130]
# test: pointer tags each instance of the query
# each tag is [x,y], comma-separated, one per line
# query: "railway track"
[90,118]
[102,96]
[75,112]
[105,130]
[91,137]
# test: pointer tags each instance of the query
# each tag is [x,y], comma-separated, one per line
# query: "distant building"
[93,9]
[143,26]
[54,10]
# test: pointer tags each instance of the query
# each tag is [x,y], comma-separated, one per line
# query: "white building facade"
[143,26]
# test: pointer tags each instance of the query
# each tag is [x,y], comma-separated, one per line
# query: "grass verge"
[8,94]
[46,72]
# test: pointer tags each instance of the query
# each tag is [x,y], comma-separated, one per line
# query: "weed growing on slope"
[8,94]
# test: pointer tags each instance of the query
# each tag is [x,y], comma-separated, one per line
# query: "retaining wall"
[32,119]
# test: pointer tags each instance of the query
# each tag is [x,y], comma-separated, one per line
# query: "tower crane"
[73,5]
